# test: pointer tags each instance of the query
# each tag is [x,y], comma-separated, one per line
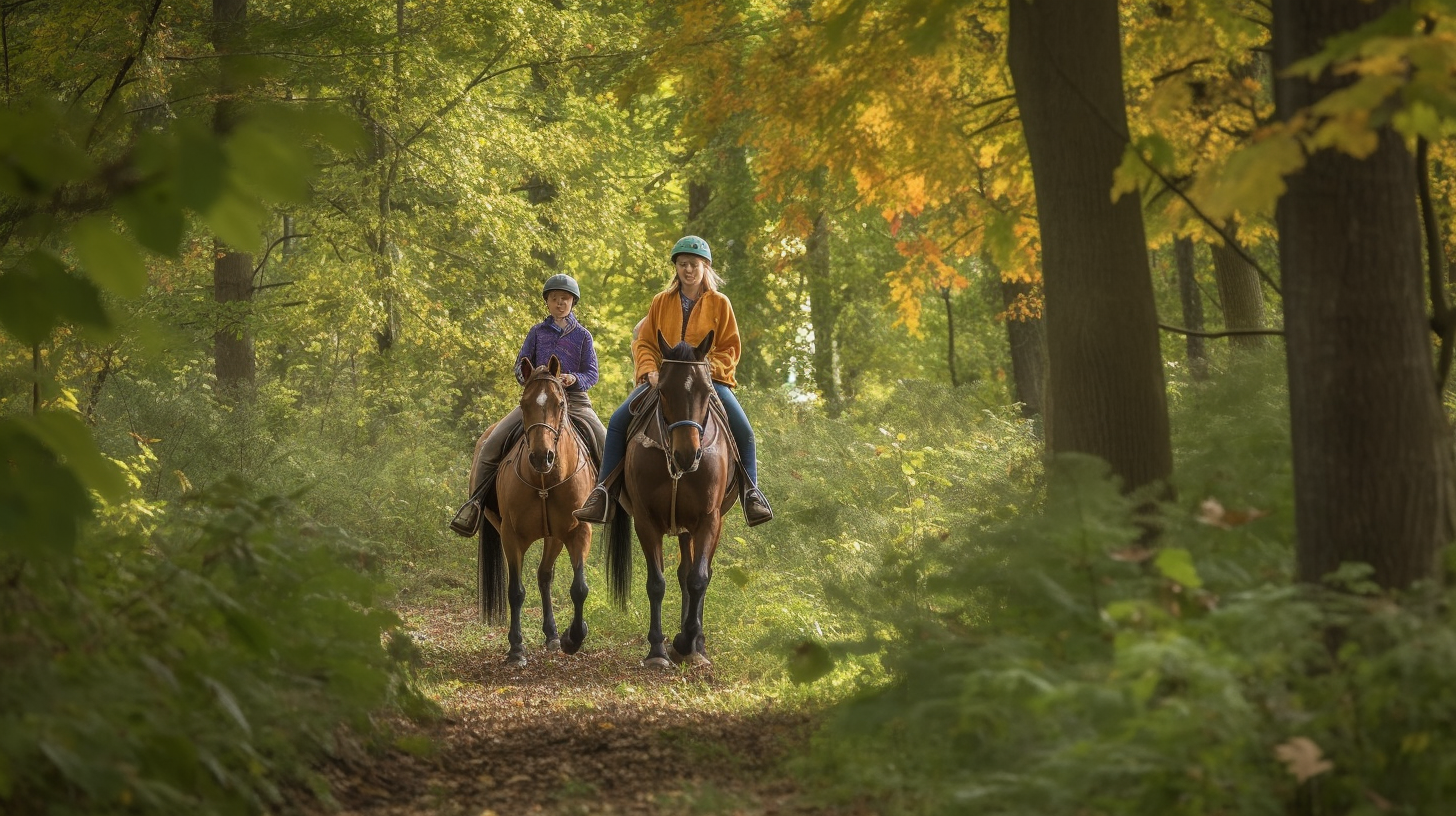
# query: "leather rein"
[672,470]
[544,490]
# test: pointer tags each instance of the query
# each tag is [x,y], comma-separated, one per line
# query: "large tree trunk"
[1372,456]
[1106,390]
[1241,293]
[823,313]
[1192,301]
[1028,347]
[234,363]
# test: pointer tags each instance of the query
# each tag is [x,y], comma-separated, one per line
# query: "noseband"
[672,470]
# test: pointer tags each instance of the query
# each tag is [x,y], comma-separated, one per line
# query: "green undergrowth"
[1064,665]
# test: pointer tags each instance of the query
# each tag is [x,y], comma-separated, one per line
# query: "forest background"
[1062,527]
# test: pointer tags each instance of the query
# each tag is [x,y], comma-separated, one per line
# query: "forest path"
[584,734]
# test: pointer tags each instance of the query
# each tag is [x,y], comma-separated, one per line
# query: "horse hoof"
[516,660]
[569,646]
[699,660]
[673,654]
[554,645]
[660,663]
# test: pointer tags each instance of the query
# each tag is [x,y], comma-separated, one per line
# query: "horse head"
[685,390]
[543,411]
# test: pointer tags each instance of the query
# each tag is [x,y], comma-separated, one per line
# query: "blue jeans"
[737,425]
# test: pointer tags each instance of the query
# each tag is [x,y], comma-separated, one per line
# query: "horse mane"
[682,353]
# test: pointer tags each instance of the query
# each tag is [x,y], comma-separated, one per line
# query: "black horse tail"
[619,557]
[492,573]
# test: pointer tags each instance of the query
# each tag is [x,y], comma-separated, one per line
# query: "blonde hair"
[712,281]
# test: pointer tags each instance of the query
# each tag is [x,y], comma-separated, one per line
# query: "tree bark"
[950,360]
[1240,292]
[234,363]
[1028,349]
[1192,301]
[1372,454]
[823,313]
[1106,393]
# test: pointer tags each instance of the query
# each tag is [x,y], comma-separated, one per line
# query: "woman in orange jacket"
[686,311]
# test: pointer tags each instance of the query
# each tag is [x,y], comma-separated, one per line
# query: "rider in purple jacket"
[559,334]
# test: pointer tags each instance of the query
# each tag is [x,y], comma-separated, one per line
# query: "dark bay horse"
[680,484]
[541,480]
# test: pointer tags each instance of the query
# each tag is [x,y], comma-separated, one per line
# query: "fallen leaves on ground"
[592,733]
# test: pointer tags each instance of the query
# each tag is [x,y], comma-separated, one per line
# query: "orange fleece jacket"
[713,312]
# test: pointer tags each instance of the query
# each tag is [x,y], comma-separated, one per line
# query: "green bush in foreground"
[1063,666]
[194,669]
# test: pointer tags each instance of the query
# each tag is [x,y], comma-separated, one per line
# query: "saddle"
[511,447]
[642,430]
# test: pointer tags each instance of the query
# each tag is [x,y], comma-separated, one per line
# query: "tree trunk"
[1241,293]
[1028,350]
[1372,455]
[700,194]
[950,359]
[823,312]
[1106,394]
[1192,307]
[232,272]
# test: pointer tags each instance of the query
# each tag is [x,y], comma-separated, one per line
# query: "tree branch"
[124,70]
[1227,333]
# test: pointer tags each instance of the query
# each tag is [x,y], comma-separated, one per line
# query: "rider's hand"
[568,380]
[652,378]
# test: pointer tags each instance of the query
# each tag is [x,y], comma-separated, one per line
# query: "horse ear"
[706,346]
[525,369]
[553,366]
[662,345]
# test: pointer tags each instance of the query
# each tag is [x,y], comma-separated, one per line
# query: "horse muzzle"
[543,461]
[683,463]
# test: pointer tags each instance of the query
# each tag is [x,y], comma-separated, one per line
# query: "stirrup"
[467,519]
[598,507]
[755,507]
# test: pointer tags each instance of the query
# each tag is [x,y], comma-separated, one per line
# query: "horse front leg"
[545,574]
[690,642]
[578,547]
[516,594]
[656,588]
[684,571]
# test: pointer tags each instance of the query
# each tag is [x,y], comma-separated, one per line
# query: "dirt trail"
[591,733]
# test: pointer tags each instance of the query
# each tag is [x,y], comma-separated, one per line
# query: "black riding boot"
[467,518]
[755,507]
[602,500]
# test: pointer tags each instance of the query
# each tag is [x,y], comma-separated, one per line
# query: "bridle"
[672,469]
[544,490]
[561,394]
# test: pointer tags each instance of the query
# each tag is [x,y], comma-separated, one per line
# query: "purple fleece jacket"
[571,345]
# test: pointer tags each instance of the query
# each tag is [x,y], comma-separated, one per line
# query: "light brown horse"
[681,484]
[541,480]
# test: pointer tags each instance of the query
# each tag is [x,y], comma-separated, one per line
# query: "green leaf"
[417,745]
[202,167]
[41,500]
[66,435]
[108,258]
[39,294]
[154,215]
[229,704]
[809,662]
[275,170]
[337,129]
[1177,565]
[236,219]
[737,575]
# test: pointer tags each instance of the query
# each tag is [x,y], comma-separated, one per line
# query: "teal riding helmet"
[565,283]
[692,245]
